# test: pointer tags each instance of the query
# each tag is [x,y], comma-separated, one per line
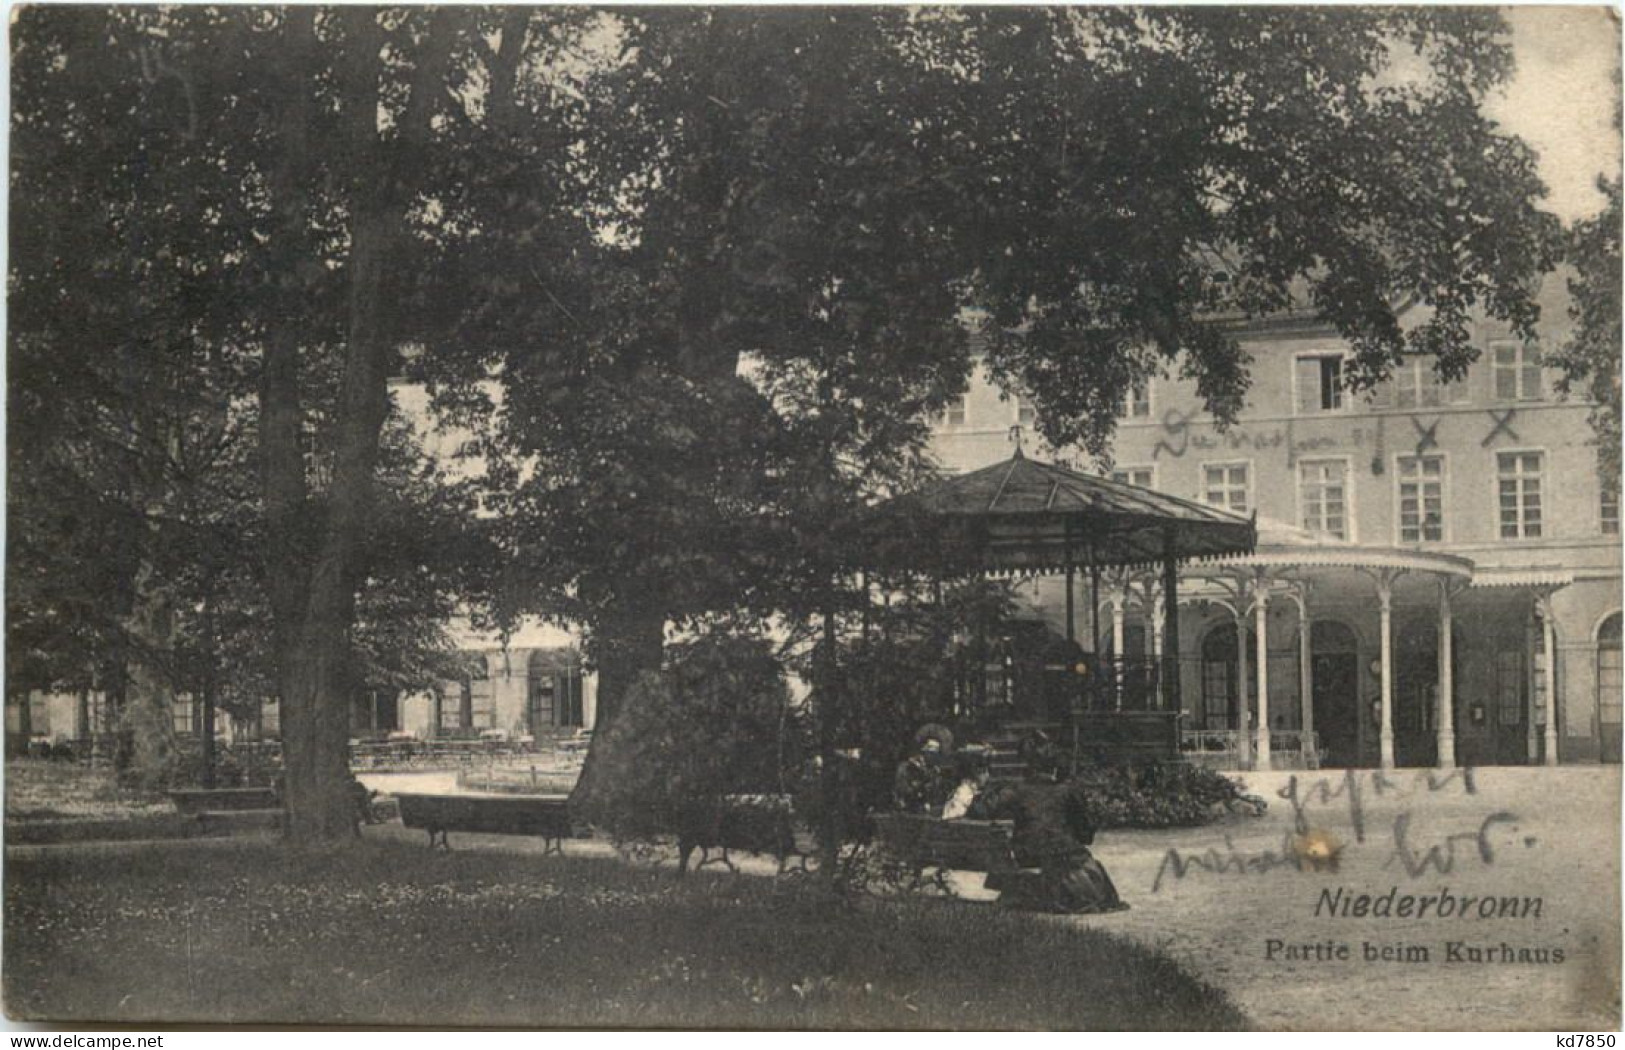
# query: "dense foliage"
[1171,795]
[716,722]
[701,316]
[1591,360]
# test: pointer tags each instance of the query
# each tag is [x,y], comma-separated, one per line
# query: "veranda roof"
[1026,515]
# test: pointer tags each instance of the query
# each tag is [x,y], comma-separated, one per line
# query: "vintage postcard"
[948,518]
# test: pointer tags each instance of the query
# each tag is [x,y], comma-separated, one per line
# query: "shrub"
[1171,795]
[715,722]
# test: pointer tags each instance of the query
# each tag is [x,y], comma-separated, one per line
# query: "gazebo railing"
[1126,683]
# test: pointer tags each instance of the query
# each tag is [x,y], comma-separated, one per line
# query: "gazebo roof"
[1026,515]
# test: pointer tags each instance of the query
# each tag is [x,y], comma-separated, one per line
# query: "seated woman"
[917,787]
[1053,834]
[972,772]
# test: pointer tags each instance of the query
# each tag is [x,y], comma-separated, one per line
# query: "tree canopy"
[721,265]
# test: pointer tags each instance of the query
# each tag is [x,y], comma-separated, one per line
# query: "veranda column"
[1261,605]
[1243,708]
[1306,672]
[1385,600]
[1446,720]
[1549,673]
[1531,743]
[1171,699]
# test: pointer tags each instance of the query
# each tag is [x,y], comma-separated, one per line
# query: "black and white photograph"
[778,518]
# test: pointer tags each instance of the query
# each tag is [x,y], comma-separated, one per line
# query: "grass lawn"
[387,933]
[37,789]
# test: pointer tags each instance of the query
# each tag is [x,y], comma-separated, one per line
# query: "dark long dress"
[1052,834]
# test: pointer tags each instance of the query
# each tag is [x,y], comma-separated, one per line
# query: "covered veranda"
[1309,652]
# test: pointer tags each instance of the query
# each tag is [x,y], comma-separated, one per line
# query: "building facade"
[521,692]
[1436,560]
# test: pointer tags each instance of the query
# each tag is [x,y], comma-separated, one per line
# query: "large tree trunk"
[148,715]
[315,739]
[314,568]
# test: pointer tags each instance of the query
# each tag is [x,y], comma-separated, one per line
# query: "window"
[183,711]
[1026,411]
[1319,381]
[1145,477]
[1509,683]
[469,703]
[954,414]
[1518,475]
[1323,490]
[451,705]
[1517,371]
[1416,384]
[1421,499]
[482,703]
[1221,699]
[1609,512]
[1609,679]
[1225,485]
[1137,402]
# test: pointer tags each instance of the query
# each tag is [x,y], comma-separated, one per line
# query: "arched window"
[1609,684]
[1329,636]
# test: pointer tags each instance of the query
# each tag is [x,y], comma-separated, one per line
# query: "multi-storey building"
[1447,545]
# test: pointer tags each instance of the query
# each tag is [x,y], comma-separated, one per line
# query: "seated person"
[973,774]
[916,788]
[1053,833]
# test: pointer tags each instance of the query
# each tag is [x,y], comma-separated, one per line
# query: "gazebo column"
[1385,601]
[1118,600]
[1446,720]
[1549,675]
[1071,612]
[1154,621]
[1261,604]
[1094,603]
[1071,585]
[1171,699]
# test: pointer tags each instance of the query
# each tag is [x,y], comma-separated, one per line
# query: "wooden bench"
[753,823]
[543,816]
[194,801]
[919,842]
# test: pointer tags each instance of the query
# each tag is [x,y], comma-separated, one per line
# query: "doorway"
[1336,694]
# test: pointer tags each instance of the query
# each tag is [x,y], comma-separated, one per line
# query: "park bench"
[543,816]
[193,801]
[224,810]
[919,842]
[754,823]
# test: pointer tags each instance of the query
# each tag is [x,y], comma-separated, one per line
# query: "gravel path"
[1559,840]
